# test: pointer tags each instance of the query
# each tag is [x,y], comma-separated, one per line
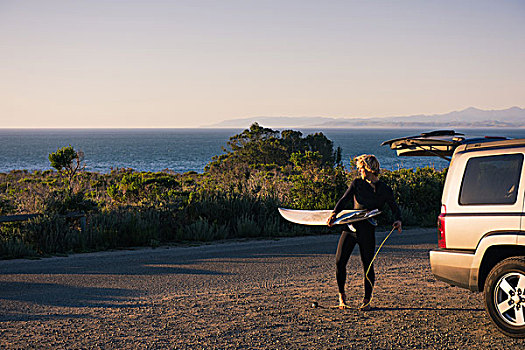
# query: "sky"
[174,64]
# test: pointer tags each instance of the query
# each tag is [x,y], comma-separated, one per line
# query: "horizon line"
[240,127]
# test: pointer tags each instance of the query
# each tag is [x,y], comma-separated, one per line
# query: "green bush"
[272,226]
[51,234]
[315,188]
[247,227]
[200,230]
[127,228]
[61,202]
[418,192]
[13,248]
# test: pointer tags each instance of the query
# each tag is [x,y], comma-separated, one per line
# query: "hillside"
[468,118]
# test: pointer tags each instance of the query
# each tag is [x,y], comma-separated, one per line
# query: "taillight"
[442,243]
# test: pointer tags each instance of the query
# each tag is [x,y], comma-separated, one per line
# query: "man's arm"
[349,194]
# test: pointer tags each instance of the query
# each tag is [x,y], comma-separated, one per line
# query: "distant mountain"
[468,118]
[273,122]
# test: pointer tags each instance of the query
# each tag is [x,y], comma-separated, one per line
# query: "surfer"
[366,192]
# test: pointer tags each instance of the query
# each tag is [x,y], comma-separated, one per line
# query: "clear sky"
[193,63]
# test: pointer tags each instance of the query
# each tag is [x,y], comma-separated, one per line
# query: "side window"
[491,180]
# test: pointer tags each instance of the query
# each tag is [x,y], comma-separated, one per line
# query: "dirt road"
[239,295]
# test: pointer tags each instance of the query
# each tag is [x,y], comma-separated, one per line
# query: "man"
[366,192]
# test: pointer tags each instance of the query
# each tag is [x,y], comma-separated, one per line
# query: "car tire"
[504,294]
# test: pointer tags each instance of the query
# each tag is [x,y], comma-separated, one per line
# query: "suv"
[481,240]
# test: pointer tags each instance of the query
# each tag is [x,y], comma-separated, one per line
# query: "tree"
[259,146]
[67,162]
[319,143]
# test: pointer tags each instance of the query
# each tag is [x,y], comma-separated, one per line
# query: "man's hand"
[331,219]
[397,225]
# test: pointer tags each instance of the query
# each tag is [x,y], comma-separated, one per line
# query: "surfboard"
[319,217]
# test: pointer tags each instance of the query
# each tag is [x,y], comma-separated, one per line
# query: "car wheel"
[504,294]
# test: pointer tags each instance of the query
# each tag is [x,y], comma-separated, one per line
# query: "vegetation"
[237,196]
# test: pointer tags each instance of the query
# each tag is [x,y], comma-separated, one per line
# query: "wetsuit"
[363,196]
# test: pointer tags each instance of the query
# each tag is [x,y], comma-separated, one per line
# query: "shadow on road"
[423,309]
[130,268]
[52,294]
[197,261]
[16,317]
[166,262]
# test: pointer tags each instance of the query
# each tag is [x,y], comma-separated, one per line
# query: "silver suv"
[482,222]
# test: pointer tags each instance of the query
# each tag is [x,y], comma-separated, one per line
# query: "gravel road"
[239,295]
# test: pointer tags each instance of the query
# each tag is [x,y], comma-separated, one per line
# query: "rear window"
[491,180]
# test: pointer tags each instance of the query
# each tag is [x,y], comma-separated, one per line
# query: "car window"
[491,180]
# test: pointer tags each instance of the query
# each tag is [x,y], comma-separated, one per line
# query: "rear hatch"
[453,260]
[440,143]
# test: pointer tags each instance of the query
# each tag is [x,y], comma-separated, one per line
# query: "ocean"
[183,150]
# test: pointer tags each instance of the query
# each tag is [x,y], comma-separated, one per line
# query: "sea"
[183,150]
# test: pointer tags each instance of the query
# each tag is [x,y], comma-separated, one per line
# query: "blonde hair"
[369,162]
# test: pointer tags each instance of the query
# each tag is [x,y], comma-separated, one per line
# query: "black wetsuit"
[363,196]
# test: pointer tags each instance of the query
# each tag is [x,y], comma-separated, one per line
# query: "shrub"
[199,230]
[126,228]
[51,234]
[13,248]
[315,188]
[272,226]
[60,202]
[418,193]
[247,227]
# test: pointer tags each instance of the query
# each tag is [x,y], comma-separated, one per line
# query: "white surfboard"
[319,217]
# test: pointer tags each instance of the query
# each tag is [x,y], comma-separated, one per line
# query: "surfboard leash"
[370,266]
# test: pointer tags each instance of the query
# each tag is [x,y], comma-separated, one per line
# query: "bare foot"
[366,305]
[342,301]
